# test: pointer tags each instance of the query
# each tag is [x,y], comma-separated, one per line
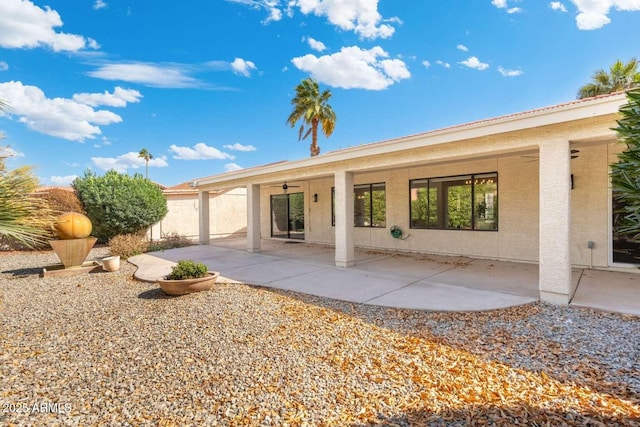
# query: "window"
[369,205]
[468,202]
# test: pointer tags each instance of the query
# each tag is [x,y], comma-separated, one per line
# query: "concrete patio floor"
[413,281]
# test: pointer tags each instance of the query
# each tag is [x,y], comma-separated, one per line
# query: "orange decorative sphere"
[72,225]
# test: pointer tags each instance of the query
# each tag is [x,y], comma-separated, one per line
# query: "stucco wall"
[518,195]
[228,215]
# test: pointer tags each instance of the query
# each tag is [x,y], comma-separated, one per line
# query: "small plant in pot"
[187,277]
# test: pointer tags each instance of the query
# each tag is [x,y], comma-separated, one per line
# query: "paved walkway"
[425,282]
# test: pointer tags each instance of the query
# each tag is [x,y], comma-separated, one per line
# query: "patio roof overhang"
[603,108]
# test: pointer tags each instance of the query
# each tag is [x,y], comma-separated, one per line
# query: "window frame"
[371,216]
[472,177]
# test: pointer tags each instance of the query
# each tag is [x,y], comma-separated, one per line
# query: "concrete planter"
[111,263]
[188,286]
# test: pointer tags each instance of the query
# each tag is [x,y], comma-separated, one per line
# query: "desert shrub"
[169,241]
[61,200]
[119,204]
[187,269]
[128,245]
[25,220]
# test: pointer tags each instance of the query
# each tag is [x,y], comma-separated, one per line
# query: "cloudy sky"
[205,85]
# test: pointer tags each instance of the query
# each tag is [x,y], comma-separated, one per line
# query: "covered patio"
[552,209]
[391,279]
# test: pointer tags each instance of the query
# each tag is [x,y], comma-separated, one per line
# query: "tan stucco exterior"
[228,214]
[541,218]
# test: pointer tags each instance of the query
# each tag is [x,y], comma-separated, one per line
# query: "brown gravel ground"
[103,349]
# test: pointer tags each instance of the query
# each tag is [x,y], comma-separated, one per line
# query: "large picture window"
[369,205]
[468,202]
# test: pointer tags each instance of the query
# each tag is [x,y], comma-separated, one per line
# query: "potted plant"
[187,277]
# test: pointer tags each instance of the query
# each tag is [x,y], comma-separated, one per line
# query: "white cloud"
[119,98]
[200,151]
[4,66]
[462,48]
[473,62]
[9,152]
[353,67]
[502,4]
[59,117]
[25,25]
[239,147]
[230,167]
[271,6]
[556,5]
[594,13]
[316,45]
[444,64]
[361,16]
[426,63]
[62,180]
[242,67]
[99,4]
[509,73]
[126,161]
[149,74]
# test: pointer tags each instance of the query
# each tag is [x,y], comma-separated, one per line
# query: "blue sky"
[205,85]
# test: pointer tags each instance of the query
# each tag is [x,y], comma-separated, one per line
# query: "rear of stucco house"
[529,187]
[228,218]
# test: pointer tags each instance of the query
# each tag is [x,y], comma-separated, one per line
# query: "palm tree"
[620,77]
[146,155]
[312,108]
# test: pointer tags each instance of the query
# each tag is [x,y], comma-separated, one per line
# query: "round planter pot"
[188,286]
[111,263]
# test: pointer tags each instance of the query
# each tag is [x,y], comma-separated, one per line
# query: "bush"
[25,220]
[61,200]
[128,245]
[169,241]
[119,204]
[187,269]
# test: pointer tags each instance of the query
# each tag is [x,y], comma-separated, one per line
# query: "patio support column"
[253,217]
[344,218]
[554,277]
[203,217]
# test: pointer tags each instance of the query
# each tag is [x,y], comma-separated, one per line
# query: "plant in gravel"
[120,204]
[62,200]
[169,241]
[187,269]
[128,245]
[625,174]
[25,219]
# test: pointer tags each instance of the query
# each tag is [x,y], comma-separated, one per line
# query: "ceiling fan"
[285,186]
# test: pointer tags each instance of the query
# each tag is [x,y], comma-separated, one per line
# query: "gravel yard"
[103,349]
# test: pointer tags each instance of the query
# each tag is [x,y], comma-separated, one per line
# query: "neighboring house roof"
[182,188]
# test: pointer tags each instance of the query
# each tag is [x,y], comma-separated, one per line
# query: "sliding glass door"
[287,216]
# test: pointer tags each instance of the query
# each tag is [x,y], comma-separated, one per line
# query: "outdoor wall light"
[315,198]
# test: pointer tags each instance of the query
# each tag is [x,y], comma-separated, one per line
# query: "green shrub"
[119,204]
[187,269]
[128,245]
